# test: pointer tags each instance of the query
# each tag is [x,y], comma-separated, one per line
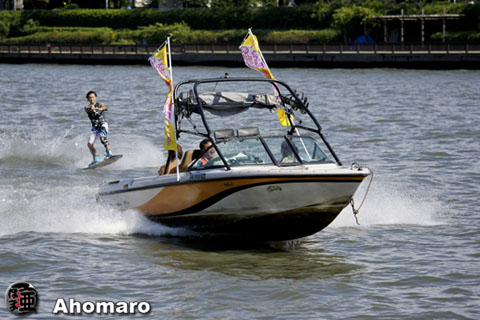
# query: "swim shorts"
[96,134]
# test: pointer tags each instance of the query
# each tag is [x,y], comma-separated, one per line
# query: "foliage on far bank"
[156,34]
[66,36]
[303,36]
[7,19]
[199,19]
[349,18]
[437,7]
[321,22]
[461,36]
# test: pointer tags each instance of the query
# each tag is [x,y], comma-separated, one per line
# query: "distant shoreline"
[406,61]
[438,57]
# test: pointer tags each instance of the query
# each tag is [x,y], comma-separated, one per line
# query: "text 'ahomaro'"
[102,307]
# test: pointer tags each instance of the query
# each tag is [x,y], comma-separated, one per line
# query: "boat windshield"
[291,150]
[296,149]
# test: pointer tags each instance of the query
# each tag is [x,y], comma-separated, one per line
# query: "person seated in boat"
[171,161]
[287,153]
[207,152]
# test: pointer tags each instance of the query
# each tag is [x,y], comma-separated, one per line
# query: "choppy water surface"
[414,256]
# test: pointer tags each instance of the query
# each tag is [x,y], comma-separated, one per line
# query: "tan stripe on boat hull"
[177,198]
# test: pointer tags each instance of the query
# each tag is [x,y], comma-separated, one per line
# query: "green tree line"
[319,21]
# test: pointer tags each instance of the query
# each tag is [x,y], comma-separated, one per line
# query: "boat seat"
[248,132]
[172,168]
[188,157]
[225,134]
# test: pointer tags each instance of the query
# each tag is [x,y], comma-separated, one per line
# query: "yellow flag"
[160,62]
[253,56]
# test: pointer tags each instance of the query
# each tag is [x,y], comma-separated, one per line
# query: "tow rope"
[356,211]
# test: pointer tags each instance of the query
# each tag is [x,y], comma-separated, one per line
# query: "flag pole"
[170,60]
[171,88]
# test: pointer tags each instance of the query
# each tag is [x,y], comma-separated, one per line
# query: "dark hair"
[90,92]
[286,150]
[203,143]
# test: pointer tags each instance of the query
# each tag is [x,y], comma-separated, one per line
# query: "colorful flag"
[160,62]
[253,58]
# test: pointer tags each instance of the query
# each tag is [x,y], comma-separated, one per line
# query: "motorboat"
[259,180]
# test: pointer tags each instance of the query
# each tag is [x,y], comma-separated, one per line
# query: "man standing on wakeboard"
[95,112]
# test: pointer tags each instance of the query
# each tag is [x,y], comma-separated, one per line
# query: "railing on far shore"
[214,48]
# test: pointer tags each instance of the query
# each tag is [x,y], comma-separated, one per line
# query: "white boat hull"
[260,205]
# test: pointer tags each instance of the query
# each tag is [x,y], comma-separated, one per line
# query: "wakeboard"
[105,162]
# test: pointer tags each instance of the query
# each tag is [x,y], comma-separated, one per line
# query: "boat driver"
[208,155]
[287,153]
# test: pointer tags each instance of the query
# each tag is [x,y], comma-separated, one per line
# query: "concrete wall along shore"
[418,56]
